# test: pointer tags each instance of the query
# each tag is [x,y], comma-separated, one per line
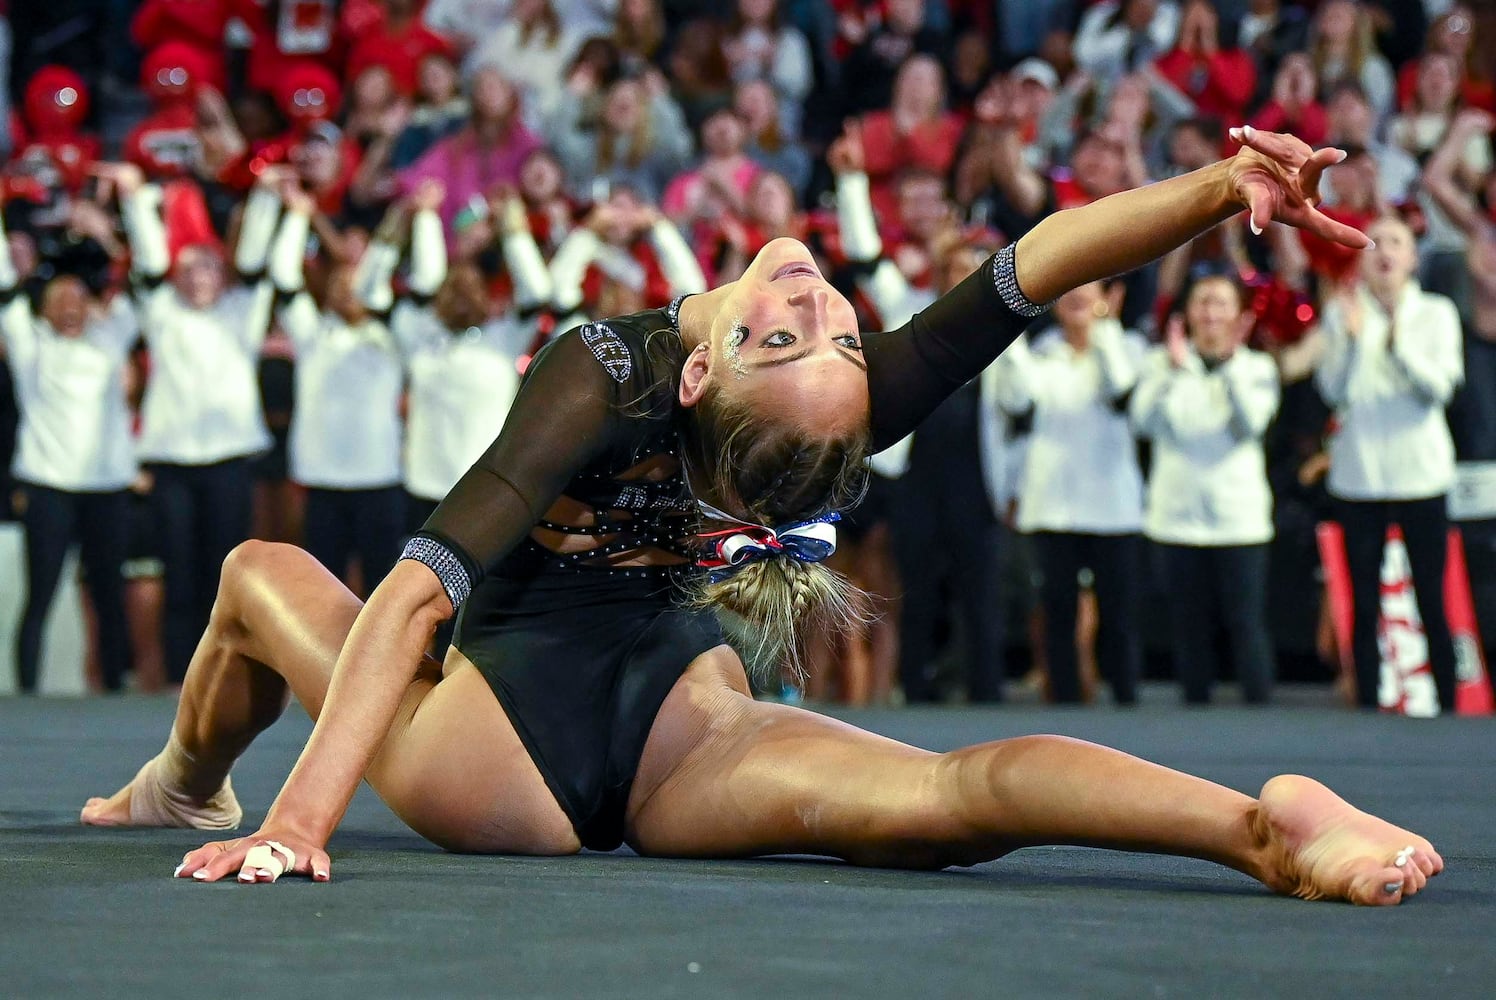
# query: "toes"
[95,813]
[1379,887]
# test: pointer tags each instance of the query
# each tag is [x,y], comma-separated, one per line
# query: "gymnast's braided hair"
[765,472]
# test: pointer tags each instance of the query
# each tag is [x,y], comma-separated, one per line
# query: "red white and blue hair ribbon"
[730,549]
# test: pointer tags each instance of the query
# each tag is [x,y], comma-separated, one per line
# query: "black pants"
[203,511]
[54,520]
[967,553]
[1424,526]
[1214,590]
[367,523]
[1115,562]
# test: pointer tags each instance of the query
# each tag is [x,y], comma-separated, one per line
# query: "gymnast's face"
[784,340]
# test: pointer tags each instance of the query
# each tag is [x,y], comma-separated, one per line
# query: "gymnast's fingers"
[231,859]
[1285,150]
[319,865]
[1262,202]
[267,860]
[264,863]
[1320,224]
[195,861]
[1314,168]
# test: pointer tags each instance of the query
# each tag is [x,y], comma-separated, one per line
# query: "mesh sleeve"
[562,419]
[911,370]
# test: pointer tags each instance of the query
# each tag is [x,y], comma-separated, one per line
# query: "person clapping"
[1205,401]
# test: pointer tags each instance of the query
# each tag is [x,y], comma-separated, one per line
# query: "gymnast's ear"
[695,374]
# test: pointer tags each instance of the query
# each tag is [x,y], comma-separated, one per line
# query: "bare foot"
[147,801]
[1321,847]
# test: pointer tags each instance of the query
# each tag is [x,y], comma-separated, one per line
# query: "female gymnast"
[617,713]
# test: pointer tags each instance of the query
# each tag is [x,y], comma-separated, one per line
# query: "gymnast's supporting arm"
[376,665]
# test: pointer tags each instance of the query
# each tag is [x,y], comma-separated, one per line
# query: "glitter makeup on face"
[732,347]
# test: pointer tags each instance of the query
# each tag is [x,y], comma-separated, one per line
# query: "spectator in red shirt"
[1352,197]
[1454,34]
[398,42]
[289,34]
[915,131]
[1293,107]
[542,188]
[718,186]
[166,143]
[769,212]
[1219,81]
[307,94]
[322,165]
[199,24]
[57,153]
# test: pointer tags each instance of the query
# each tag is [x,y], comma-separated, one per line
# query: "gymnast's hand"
[1276,176]
[262,857]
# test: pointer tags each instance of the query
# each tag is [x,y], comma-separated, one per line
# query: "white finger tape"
[276,845]
[262,857]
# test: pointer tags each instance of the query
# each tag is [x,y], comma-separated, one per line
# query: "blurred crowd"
[274,269]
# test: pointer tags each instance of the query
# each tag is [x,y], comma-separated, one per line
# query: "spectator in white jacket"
[74,460]
[1081,495]
[345,429]
[461,361]
[1392,362]
[201,420]
[1205,400]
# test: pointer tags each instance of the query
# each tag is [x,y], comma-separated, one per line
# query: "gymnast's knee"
[248,566]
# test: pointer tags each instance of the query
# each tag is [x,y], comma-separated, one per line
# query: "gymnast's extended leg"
[451,767]
[724,776]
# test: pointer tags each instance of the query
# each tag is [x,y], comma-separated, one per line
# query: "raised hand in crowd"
[1294,86]
[1177,341]
[125,178]
[218,133]
[1469,124]
[1198,30]
[87,218]
[845,155]
[296,198]
[428,195]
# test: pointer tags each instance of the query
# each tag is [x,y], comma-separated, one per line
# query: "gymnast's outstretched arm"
[910,370]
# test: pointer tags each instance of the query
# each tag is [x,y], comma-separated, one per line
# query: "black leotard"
[581,653]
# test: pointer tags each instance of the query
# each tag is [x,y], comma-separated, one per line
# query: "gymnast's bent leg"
[451,767]
[724,776]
